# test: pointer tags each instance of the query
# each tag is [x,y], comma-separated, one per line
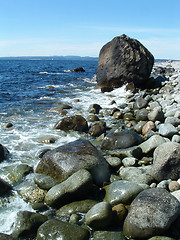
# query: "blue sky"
[68,27]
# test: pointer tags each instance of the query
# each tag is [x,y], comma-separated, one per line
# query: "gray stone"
[140,103]
[156,115]
[27,223]
[166,161]
[114,162]
[153,142]
[128,152]
[139,126]
[152,212]
[129,161]
[82,206]
[45,182]
[123,60]
[137,174]
[173,120]
[76,123]
[56,229]
[97,128]
[167,130]
[121,191]
[164,184]
[121,140]
[176,138]
[141,115]
[171,112]
[76,186]
[99,216]
[67,159]
[176,194]
[108,235]
[94,108]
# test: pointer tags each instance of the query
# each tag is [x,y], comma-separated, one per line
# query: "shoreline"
[125,116]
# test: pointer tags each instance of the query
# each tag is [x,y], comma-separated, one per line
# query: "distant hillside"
[51,58]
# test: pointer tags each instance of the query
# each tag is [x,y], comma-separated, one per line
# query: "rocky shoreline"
[121,182]
[121,178]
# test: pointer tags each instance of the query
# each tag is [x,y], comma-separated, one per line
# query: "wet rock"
[99,216]
[118,115]
[27,224]
[55,229]
[67,159]
[75,187]
[166,161]
[140,103]
[4,187]
[8,125]
[61,108]
[167,130]
[123,60]
[121,191]
[76,123]
[15,172]
[78,69]
[151,213]
[82,206]
[128,116]
[128,152]
[45,182]
[94,108]
[141,175]
[161,238]
[120,140]
[153,142]
[148,127]
[107,235]
[108,111]
[32,194]
[97,128]
[3,152]
[156,115]
[92,118]
[141,115]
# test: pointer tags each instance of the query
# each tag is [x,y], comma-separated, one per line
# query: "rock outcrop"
[123,60]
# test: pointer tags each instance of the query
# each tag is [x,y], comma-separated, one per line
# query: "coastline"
[167,97]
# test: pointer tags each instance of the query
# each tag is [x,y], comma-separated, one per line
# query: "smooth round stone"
[55,229]
[167,130]
[129,161]
[92,118]
[172,120]
[114,162]
[156,114]
[45,182]
[121,191]
[139,126]
[99,216]
[141,115]
[176,138]
[82,206]
[174,186]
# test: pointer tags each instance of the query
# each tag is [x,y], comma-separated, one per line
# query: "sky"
[82,27]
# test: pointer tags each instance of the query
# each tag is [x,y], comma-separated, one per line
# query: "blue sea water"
[30,90]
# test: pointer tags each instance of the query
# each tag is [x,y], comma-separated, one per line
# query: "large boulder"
[3,152]
[124,60]
[151,213]
[67,159]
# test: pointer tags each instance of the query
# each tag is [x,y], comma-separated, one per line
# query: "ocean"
[30,92]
